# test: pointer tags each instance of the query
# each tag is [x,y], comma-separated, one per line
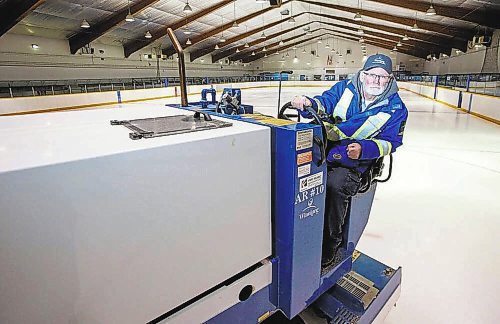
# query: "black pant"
[342,183]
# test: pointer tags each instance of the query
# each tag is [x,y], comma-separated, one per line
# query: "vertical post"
[279,95]
[11,94]
[123,85]
[112,86]
[182,66]
[134,85]
[69,87]
[53,93]
[33,91]
[85,85]
[144,84]
[435,86]
[99,85]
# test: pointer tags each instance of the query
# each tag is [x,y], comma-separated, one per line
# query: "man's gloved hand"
[338,155]
[299,102]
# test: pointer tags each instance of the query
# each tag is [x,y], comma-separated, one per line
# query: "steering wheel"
[322,141]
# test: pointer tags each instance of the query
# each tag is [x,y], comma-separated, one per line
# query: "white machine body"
[98,228]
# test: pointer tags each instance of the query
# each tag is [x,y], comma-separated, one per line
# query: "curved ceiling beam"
[137,44]
[13,11]
[484,17]
[241,48]
[378,43]
[395,39]
[219,29]
[429,38]
[426,25]
[81,39]
[209,49]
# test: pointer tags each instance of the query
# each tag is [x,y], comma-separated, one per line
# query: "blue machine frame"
[298,186]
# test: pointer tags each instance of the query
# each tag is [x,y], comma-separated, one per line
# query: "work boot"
[331,261]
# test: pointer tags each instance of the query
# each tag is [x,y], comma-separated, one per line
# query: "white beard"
[375,91]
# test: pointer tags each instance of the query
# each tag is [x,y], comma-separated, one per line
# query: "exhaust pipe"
[182,66]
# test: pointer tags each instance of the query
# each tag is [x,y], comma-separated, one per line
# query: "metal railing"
[484,83]
[13,89]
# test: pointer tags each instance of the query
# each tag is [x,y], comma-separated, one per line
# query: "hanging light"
[216,46]
[287,55]
[431,11]
[235,25]
[392,52]
[246,45]
[320,41]
[264,49]
[265,55]
[327,45]
[202,60]
[281,43]
[308,63]
[291,20]
[415,27]
[395,48]
[188,42]
[188,32]
[361,40]
[364,57]
[129,17]
[332,50]
[405,37]
[263,35]
[295,59]
[222,39]
[399,44]
[253,53]
[237,50]
[361,32]
[148,35]
[187,8]
[85,24]
[357,17]
[294,47]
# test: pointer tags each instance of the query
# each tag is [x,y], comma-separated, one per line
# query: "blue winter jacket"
[378,129]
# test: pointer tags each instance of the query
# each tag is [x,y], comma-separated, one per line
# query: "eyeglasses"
[381,78]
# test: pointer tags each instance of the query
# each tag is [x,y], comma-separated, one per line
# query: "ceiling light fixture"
[148,35]
[431,11]
[415,26]
[291,20]
[361,32]
[264,49]
[85,24]
[253,53]
[405,37]
[187,8]
[237,50]
[129,17]
[188,32]
[188,42]
[281,43]
[263,35]
[235,24]
[357,17]
[246,45]
[216,46]
[35,46]
[399,44]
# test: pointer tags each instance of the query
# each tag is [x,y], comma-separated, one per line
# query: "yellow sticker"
[304,158]
[355,255]
[264,316]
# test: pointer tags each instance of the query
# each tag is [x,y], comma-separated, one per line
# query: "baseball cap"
[378,60]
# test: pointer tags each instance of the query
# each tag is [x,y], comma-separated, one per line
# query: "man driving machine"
[366,120]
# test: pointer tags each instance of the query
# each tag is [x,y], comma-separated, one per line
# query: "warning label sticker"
[311,181]
[304,170]
[304,139]
[304,158]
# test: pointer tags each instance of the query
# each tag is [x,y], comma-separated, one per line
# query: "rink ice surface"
[439,215]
